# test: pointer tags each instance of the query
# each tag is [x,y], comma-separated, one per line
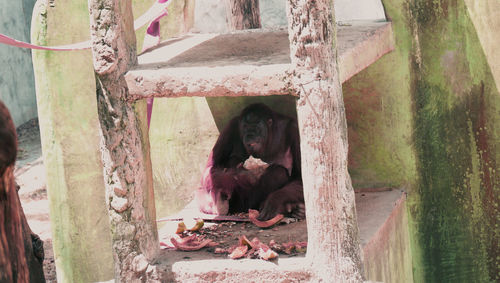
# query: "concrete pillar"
[67,110]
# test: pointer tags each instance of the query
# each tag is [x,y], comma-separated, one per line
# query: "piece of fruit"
[252,215]
[239,252]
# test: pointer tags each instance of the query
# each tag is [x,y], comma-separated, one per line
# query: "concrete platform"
[374,213]
[249,63]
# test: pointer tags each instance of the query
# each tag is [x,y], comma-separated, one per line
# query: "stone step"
[244,63]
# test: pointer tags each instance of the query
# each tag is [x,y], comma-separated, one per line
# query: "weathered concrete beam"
[250,63]
[67,111]
[387,256]
[361,45]
[124,143]
[239,80]
[242,270]
[333,250]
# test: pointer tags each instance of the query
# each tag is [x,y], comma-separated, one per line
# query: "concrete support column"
[67,110]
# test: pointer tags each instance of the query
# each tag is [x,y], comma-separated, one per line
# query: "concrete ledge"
[361,45]
[377,212]
[242,270]
[249,63]
[387,256]
[237,80]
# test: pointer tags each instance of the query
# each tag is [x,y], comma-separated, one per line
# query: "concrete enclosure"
[423,117]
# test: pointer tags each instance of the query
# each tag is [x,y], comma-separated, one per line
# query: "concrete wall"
[66,96]
[387,256]
[427,117]
[457,134]
[485,16]
[273,12]
[17,86]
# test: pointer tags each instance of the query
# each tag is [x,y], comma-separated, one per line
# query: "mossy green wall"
[67,113]
[426,117]
[181,134]
[457,121]
[378,104]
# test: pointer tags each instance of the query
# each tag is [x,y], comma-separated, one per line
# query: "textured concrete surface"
[485,16]
[210,16]
[273,12]
[66,97]
[359,10]
[180,149]
[373,209]
[244,63]
[387,256]
[377,212]
[426,115]
[17,84]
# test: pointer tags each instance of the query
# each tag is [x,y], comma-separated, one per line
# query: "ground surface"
[30,176]
[373,209]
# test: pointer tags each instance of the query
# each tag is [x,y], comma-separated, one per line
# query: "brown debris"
[289,247]
[181,227]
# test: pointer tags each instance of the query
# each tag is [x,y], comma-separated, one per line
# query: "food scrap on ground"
[252,214]
[228,238]
[252,249]
[289,247]
[238,252]
[191,243]
[194,224]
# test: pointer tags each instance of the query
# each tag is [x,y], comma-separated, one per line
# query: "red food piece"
[189,245]
[187,239]
[239,252]
[267,254]
[252,214]
[220,251]
[289,247]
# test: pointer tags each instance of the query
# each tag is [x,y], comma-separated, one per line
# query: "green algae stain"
[379,115]
[451,80]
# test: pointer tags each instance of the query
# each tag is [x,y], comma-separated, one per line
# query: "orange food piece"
[181,227]
[245,242]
